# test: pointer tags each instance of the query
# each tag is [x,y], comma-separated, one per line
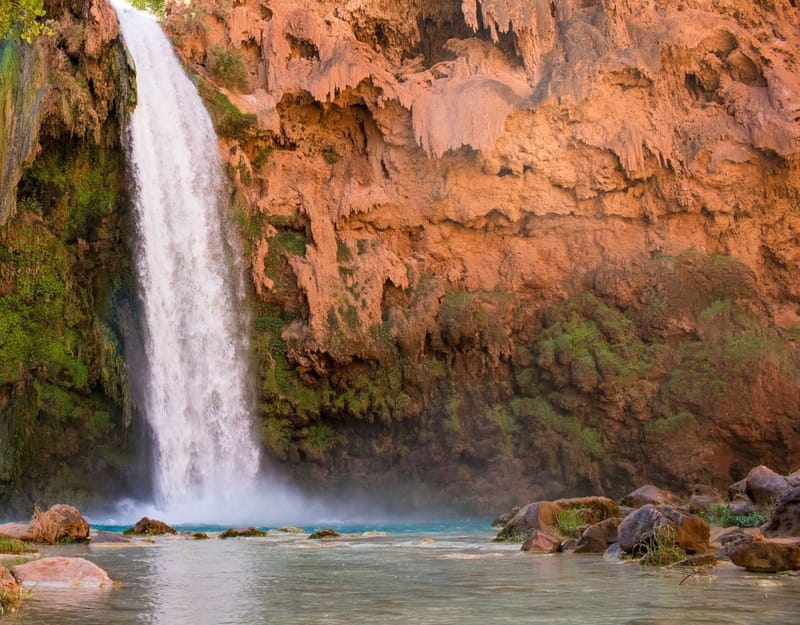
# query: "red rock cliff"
[512,249]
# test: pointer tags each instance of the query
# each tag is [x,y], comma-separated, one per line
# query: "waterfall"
[196,401]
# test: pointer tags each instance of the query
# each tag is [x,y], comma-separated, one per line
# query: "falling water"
[197,402]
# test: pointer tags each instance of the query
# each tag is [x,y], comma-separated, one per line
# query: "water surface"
[432,577]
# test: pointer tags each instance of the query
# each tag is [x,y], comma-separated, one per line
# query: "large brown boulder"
[60,523]
[764,486]
[596,538]
[691,533]
[150,527]
[765,555]
[61,573]
[539,515]
[649,494]
[785,519]
[541,542]
[10,595]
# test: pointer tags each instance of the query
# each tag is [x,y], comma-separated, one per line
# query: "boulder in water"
[60,523]
[541,542]
[106,538]
[150,527]
[539,515]
[61,573]
[637,530]
[20,531]
[765,555]
[326,533]
[246,532]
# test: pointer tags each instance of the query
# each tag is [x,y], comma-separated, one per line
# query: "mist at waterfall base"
[195,395]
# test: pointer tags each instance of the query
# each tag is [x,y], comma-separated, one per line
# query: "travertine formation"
[439,197]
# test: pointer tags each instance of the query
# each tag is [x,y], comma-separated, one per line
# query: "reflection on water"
[436,578]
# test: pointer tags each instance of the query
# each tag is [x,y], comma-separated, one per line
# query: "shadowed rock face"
[544,245]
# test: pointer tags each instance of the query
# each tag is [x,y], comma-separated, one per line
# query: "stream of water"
[420,576]
[196,401]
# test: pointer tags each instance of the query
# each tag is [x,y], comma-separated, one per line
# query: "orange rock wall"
[519,153]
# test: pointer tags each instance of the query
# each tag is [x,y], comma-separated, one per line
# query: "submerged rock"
[541,542]
[61,573]
[150,527]
[636,530]
[102,537]
[290,529]
[766,555]
[243,532]
[326,533]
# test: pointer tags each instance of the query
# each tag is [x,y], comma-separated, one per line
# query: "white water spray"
[196,403]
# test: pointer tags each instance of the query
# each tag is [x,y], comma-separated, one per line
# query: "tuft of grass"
[570,522]
[13,546]
[660,548]
[44,528]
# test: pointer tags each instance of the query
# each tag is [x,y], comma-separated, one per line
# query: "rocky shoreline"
[754,526]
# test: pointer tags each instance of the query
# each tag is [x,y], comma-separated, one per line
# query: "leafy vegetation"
[23,19]
[229,121]
[156,7]
[228,67]
[721,515]
[570,522]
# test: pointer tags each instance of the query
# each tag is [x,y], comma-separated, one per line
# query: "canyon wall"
[66,420]
[510,249]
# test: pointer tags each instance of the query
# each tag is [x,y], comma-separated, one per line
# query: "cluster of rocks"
[59,524]
[699,530]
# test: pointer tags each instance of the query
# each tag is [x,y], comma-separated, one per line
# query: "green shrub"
[227,66]
[13,546]
[570,522]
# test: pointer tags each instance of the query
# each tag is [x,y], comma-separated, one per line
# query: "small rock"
[764,486]
[698,560]
[766,555]
[61,573]
[150,527]
[703,497]
[326,533]
[290,529]
[785,519]
[649,494]
[102,537]
[541,542]
[246,532]
[200,536]
[596,538]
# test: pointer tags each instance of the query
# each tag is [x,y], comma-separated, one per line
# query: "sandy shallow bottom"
[428,577]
